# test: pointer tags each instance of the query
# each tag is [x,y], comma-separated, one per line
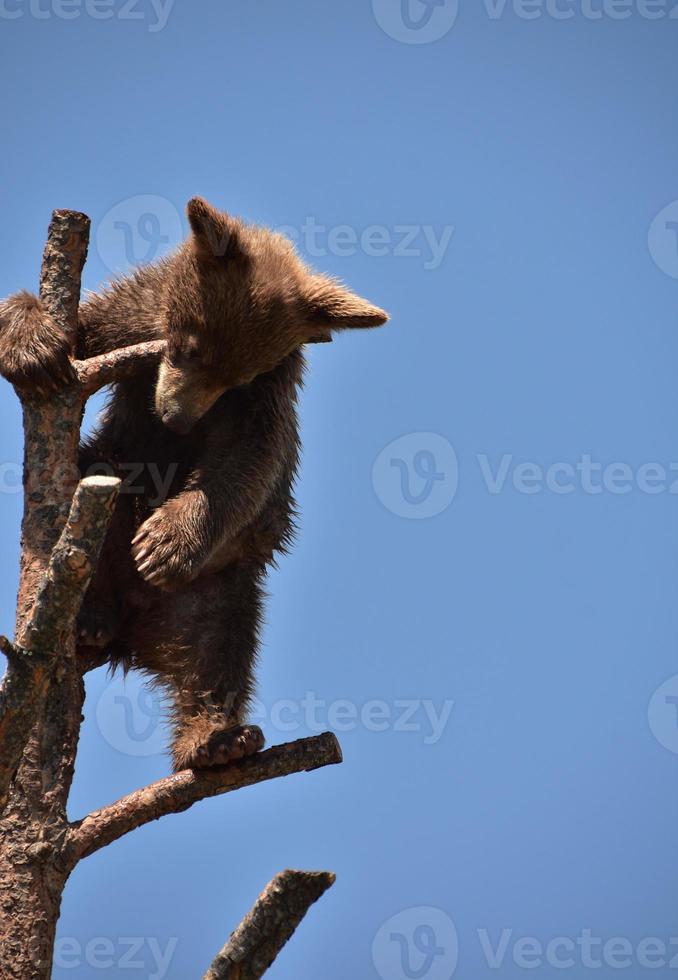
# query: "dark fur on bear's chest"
[155,464]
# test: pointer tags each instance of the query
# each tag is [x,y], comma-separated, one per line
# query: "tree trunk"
[30,895]
[32,829]
[34,823]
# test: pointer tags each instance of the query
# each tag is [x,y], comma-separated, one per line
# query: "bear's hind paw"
[222,746]
[95,629]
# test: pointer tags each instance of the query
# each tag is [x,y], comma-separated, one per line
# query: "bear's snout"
[178,422]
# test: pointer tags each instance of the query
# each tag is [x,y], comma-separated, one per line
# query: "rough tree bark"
[64,524]
[264,931]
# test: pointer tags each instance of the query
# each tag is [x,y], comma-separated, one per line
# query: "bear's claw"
[162,550]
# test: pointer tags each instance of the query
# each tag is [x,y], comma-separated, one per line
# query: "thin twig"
[266,928]
[179,792]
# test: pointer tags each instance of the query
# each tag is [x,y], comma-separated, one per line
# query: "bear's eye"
[187,351]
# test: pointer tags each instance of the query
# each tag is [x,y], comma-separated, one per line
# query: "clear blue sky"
[533,325]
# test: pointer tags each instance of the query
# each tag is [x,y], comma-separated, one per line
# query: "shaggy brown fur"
[208,447]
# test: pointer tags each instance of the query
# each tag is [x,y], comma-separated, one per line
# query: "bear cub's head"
[238,301]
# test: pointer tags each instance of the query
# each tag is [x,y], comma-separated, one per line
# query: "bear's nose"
[178,422]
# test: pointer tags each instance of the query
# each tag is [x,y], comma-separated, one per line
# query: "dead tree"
[65,521]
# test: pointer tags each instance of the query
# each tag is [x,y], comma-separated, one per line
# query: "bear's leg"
[207,667]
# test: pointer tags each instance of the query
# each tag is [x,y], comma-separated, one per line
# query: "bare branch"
[51,620]
[179,792]
[267,927]
[71,565]
[97,372]
[62,264]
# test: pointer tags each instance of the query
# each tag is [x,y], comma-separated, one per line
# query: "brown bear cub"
[179,589]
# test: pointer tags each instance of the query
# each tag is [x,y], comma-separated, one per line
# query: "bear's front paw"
[34,350]
[163,551]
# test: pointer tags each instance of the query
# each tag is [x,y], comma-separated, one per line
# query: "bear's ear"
[331,306]
[215,234]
